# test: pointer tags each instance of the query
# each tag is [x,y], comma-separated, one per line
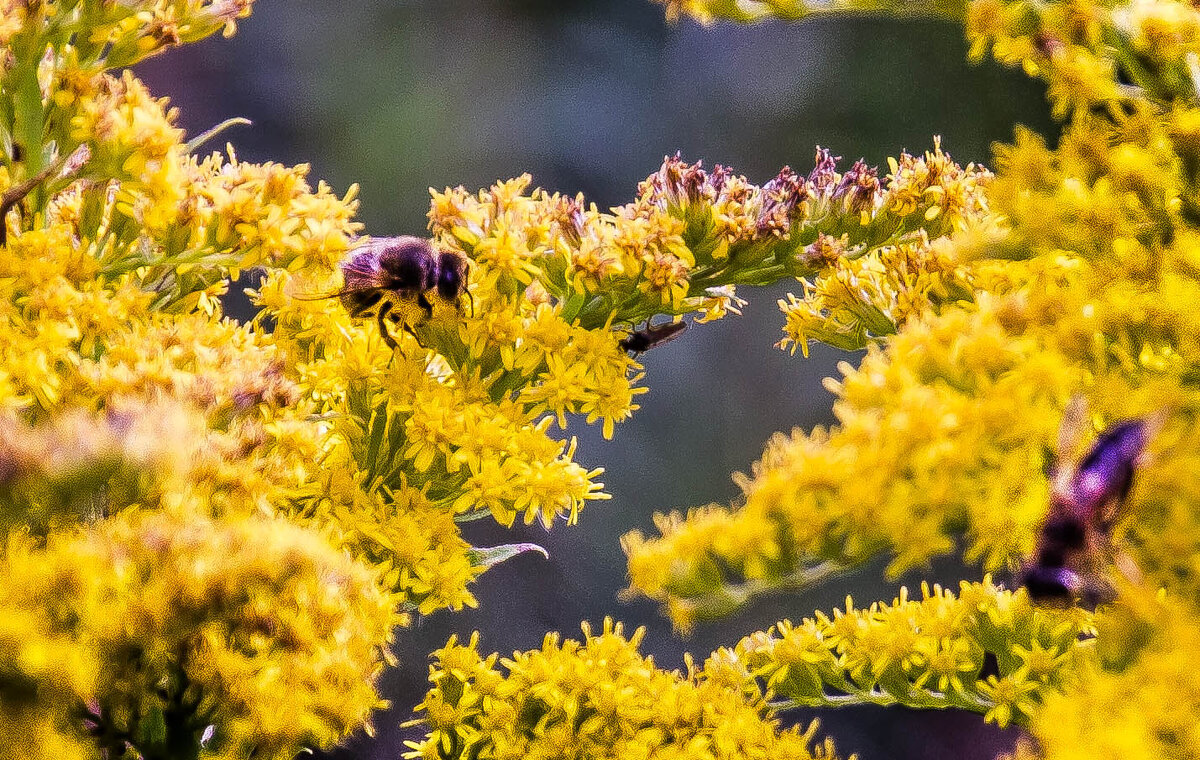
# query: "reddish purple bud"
[780,198]
[570,217]
[677,182]
[824,176]
[858,188]
[718,178]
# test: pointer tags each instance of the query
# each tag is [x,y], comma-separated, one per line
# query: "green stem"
[1141,76]
[735,595]
[17,193]
[929,700]
[29,117]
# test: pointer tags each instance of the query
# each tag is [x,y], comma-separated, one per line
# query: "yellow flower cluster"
[1093,55]
[599,697]
[869,290]
[1080,279]
[413,439]
[44,674]
[119,34]
[170,623]
[692,234]
[987,650]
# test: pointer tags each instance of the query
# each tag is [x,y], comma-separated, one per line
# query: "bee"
[383,274]
[1075,549]
[648,337]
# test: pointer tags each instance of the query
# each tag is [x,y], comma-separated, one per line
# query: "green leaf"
[212,132]
[488,556]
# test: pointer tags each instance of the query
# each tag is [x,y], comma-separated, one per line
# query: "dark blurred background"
[399,96]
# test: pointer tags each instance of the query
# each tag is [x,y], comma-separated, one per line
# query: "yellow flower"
[598,696]
[1012,695]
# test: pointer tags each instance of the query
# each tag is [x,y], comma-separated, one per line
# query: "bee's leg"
[359,303]
[381,318]
[408,329]
[426,307]
[471,300]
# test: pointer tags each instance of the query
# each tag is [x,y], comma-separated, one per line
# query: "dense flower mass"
[599,697]
[188,621]
[1141,699]
[213,526]
[986,650]
[1080,281]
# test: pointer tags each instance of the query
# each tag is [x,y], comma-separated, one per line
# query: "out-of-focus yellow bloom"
[44,677]
[1142,700]
[255,626]
[749,11]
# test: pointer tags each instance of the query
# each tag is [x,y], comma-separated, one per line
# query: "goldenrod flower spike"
[599,697]
[209,520]
[986,650]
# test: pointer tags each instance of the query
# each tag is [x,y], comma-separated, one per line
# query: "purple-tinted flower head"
[824,177]
[858,188]
[780,198]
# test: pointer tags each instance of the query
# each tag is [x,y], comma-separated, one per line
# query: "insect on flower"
[648,337]
[1075,550]
[383,277]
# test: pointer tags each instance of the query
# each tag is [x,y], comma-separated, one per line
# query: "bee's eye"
[450,280]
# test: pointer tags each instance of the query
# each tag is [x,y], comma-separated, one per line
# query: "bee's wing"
[1105,475]
[1067,448]
[362,265]
[316,296]
[1071,430]
[1128,568]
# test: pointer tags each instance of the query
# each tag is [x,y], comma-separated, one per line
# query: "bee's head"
[452,276]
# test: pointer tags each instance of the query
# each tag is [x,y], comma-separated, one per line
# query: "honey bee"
[1075,550]
[648,337]
[383,274]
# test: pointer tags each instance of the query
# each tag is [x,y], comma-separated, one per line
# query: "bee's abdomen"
[1052,584]
[1064,531]
[363,302]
